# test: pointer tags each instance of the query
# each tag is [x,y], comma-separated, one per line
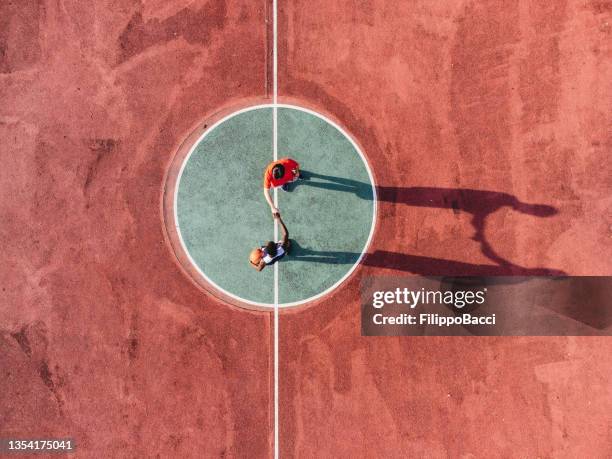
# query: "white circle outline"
[374,205]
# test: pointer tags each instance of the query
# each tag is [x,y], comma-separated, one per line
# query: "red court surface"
[464,109]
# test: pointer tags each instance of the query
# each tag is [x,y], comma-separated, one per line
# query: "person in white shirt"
[273,251]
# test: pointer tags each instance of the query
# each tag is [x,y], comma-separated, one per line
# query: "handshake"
[279,174]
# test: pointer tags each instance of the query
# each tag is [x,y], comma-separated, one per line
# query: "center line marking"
[275,155]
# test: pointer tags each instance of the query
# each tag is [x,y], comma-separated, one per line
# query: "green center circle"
[221,214]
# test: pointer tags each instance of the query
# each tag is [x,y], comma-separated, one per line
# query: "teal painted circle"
[221,213]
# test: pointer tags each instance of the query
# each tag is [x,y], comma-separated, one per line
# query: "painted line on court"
[374,204]
[275,157]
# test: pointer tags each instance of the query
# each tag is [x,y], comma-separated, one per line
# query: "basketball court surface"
[437,139]
[217,210]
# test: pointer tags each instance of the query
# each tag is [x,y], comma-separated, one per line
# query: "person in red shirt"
[279,174]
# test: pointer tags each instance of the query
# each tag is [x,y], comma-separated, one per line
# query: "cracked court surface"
[220,213]
[111,342]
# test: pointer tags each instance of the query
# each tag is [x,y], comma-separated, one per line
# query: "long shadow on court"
[479,203]
[570,296]
[415,264]
[584,299]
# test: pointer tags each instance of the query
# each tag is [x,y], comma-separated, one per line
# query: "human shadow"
[478,203]
[582,299]
[332,183]
[570,293]
[414,264]
[330,257]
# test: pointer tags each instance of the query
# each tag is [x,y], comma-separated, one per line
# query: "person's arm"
[273,208]
[285,240]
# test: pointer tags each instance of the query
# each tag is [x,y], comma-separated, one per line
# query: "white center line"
[275,150]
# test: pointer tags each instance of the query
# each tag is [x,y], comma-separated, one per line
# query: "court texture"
[216,212]
[438,139]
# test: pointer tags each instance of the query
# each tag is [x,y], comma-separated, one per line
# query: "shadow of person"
[479,203]
[331,183]
[300,253]
[414,264]
[427,266]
